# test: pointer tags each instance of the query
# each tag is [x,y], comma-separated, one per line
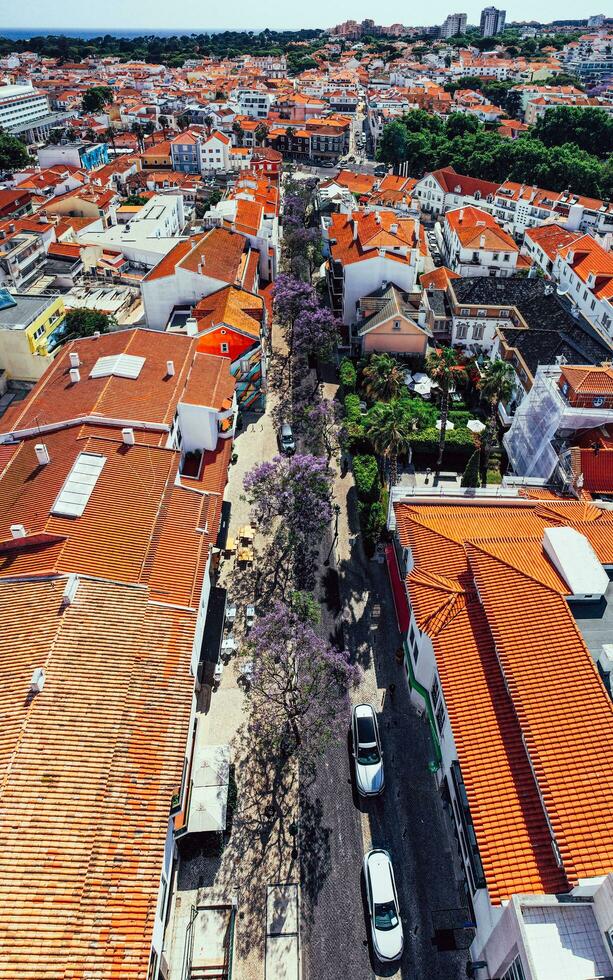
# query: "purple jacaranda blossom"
[316,331]
[299,687]
[290,296]
[296,489]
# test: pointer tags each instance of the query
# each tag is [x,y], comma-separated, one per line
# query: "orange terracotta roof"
[88,768]
[221,253]
[438,278]
[152,397]
[592,380]
[493,605]
[471,225]
[587,258]
[374,231]
[210,382]
[235,307]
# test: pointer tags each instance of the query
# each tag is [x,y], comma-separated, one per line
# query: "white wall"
[361,278]
[198,426]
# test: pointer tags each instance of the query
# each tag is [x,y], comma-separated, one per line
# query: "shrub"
[347,374]
[373,525]
[353,413]
[470,477]
[366,474]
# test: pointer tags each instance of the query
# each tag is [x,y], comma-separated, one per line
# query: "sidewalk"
[259,851]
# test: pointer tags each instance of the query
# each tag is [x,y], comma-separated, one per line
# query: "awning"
[208,802]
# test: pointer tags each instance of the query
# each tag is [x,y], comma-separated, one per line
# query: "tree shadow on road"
[314,845]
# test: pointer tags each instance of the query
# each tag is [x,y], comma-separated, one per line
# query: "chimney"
[394,228]
[461,218]
[75,360]
[482,241]
[127,435]
[355,229]
[96,334]
[201,265]
[75,375]
[18,531]
[70,590]
[12,228]
[170,368]
[191,326]
[42,454]
[37,680]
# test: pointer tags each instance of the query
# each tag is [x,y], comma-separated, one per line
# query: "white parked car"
[367,754]
[385,924]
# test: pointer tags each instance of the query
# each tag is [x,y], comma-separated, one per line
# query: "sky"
[245,15]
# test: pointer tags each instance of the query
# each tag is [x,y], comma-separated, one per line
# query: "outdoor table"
[230,545]
[246,533]
[250,616]
[230,612]
[229,643]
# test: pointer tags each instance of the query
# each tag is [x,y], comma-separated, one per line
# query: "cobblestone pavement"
[409,820]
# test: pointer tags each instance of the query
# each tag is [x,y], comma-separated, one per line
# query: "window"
[478,331]
[481,313]
[440,717]
[462,331]
[465,312]
[504,314]
[435,690]
[396,325]
[515,971]
[506,256]
[224,348]
[496,256]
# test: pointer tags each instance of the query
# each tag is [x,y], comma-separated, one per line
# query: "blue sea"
[24,33]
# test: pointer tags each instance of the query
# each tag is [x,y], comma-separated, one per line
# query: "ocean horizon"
[25,33]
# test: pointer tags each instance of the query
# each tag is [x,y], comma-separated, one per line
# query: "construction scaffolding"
[543,420]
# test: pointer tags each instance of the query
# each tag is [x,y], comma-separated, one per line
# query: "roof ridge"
[477,545]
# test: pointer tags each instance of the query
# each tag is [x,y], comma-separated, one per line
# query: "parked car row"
[435,251]
[381,895]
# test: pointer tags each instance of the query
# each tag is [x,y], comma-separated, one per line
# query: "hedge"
[366,474]
[353,413]
[347,374]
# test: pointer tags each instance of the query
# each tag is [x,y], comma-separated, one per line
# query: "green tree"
[85,323]
[13,153]
[383,378]
[496,384]
[261,132]
[238,131]
[163,121]
[470,476]
[389,427]
[392,146]
[96,98]
[590,129]
[444,367]
[459,123]
[366,476]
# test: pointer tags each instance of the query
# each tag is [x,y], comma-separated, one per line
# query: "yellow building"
[29,325]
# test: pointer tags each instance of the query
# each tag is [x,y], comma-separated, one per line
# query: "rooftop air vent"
[75,360]
[37,680]
[42,454]
[191,326]
[127,435]
[18,531]
[75,375]
[170,368]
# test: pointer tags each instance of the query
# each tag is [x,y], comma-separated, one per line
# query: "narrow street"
[408,820]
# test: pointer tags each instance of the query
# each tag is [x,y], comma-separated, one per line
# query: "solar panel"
[6,300]
[78,485]
[118,365]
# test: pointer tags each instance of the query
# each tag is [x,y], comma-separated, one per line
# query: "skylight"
[6,300]
[78,485]
[118,365]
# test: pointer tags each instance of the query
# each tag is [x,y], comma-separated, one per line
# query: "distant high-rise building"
[596,20]
[454,24]
[492,21]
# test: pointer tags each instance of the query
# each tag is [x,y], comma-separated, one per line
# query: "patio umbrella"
[475,425]
[408,378]
[423,388]
[420,376]
[449,425]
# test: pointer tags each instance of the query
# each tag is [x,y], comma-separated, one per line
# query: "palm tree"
[444,366]
[389,426]
[110,136]
[496,384]
[261,132]
[383,378]
[163,121]
[208,122]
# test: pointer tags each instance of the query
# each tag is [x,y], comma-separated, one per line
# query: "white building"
[475,245]
[215,153]
[368,250]
[584,272]
[25,112]
[147,237]
[251,102]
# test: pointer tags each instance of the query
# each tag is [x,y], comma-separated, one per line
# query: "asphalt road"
[408,820]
